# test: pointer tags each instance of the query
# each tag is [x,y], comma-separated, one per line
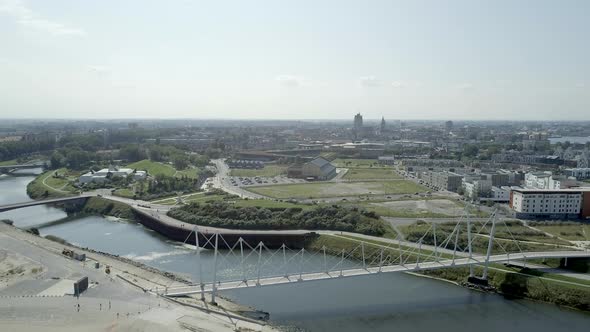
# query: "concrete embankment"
[184,232]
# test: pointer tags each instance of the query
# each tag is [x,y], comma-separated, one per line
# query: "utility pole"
[469,245]
[490,247]
[214,290]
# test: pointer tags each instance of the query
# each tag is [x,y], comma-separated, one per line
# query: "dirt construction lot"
[433,206]
[341,189]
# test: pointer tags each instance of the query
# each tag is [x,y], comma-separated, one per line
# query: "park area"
[359,163]
[424,208]
[338,189]
[155,168]
[371,174]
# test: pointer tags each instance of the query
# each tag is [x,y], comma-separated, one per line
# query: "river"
[385,302]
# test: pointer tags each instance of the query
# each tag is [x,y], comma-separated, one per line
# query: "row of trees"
[13,150]
[225,215]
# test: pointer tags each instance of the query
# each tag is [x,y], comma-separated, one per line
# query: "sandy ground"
[15,267]
[119,301]
[438,206]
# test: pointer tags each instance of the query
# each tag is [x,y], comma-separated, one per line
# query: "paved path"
[437,264]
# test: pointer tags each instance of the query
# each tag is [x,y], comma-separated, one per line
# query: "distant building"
[386,160]
[449,126]
[382,126]
[105,174]
[442,180]
[358,122]
[477,186]
[501,194]
[546,180]
[249,164]
[578,173]
[317,169]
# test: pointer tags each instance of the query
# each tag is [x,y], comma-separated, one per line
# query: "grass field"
[192,173]
[125,192]
[46,185]
[371,174]
[8,162]
[321,190]
[152,167]
[266,203]
[569,231]
[267,171]
[358,163]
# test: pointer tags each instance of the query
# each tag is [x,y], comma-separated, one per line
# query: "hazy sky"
[295,59]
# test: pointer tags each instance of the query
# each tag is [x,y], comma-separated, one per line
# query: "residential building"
[550,203]
[443,180]
[476,186]
[546,180]
[386,160]
[501,194]
[578,173]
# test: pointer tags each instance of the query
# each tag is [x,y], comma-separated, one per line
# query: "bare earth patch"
[436,206]
[15,267]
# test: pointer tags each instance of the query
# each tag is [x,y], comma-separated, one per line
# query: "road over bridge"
[343,273]
[4,208]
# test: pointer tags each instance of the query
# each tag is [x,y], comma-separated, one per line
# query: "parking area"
[239,181]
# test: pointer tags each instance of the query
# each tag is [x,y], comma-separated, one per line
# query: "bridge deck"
[8,207]
[443,263]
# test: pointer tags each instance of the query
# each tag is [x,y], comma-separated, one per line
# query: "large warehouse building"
[317,169]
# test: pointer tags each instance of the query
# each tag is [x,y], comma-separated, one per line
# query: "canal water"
[385,302]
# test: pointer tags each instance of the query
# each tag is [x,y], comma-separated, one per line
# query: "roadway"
[222,181]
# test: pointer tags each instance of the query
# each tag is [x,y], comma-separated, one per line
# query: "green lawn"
[362,163]
[53,187]
[125,192]
[153,168]
[371,174]
[268,171]
[266,203]
[341,189]
[8,162]
[400,213]
[569,231]
[192,173]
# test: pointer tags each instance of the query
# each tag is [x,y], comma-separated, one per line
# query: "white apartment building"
[547,203]
[546,180]
[578,173]
[501,194]
[475,187]
[539,180]
[104,174]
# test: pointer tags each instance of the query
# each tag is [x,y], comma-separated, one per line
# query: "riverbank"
[520,283]
[127,287]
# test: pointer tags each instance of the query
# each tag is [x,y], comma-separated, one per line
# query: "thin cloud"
[398,84]
[370,81]
[465,86]
[289,80]
[100,70]
[27,18]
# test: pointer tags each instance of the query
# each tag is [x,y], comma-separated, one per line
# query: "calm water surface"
[386,302]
